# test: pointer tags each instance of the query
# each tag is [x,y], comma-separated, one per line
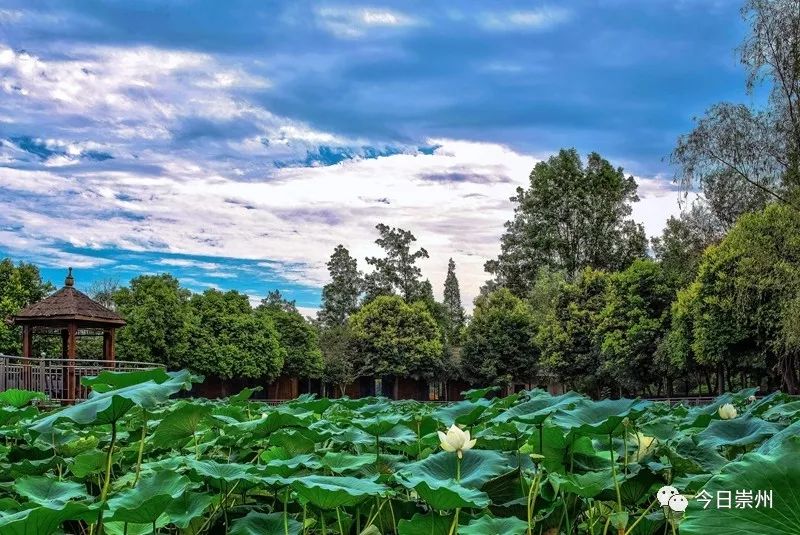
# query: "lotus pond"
[137,458]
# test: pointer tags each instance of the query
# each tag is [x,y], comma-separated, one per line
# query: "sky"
[235,144]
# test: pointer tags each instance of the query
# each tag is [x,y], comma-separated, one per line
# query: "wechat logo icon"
[670,497]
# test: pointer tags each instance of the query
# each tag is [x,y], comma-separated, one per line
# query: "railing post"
[42,383]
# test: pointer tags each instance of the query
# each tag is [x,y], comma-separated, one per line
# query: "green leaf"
[265,524]
[43,520]
[187,507]
[598,417]
[477,467]
[778,473]
[48,491]
[180,425]
[14,397]
[330,492]
[106,380]
[488,525]
[88,462]
[149,499]
[110,406]
[741,431]
[430,524]
[340,462]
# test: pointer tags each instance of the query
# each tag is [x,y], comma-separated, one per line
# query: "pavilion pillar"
[27,352]
[69,376]
[108,347]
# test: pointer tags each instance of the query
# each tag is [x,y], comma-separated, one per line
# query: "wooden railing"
[59,379]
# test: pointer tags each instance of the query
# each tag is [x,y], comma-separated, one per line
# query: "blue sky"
[234,144]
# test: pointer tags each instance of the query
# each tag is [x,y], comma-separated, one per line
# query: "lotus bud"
[751,399]
[456,440]
[728,412]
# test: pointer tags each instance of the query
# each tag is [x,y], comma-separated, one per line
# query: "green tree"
[570,352]
[160,320]
[572,216]
[397,272]
[339,366]
[632,324]
[747,291]
[681,245]
[230,340]
[452,305]
[275,300]
[392,337]
[498,342]
[743,156]
[298,339]
[20,286]
[340,296]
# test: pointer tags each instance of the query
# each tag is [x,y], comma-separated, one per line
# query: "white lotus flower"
[751,399]
[728,412]
[456,440]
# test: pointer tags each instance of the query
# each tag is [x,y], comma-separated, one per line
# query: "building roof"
[68,304]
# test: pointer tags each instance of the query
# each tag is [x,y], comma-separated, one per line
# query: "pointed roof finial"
[70,280]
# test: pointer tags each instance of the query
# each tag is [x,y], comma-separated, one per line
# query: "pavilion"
[70,314]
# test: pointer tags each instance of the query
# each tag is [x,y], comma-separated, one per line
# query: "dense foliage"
[130,460]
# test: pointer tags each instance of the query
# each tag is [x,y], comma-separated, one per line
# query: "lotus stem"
[107,481]
[338,519]
[533,492]
[141,449]
[641,516]
[286,512]
[614,470]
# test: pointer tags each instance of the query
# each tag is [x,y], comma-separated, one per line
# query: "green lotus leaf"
[106,380]
[781,412]
[586,485]
[244,395]
[330,492]
[449,495]
[48,491]
[12,415]
[340,462]
[180,425]
[88,462]
[290,466]
[16,398]
[378,425]
[110,406]
[462,412]
[44,520]
[430,524]
[188,507]
[146,502]
[223,475]
[126,528]
[477,467]
[741,431]
[488,525]
[598,417]
[778,473]
[538,409]
[478,393]
[265,524]
[777,440]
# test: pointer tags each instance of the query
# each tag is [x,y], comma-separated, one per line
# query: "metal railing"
[59,379]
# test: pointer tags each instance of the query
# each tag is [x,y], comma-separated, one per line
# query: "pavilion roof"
[67,304]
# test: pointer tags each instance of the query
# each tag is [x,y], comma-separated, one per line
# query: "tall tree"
[681,245]
[275,300]
[229,340]
[340,296]
[103,291]
[743,156]
[398,270]
[298,339]
[632,324]
[572,216]
[498,343]
[393,337]
[159,320]
[20,286]
[452,304]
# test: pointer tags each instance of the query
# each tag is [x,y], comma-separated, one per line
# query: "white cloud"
[531,19]
[354,22]
[298,216]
